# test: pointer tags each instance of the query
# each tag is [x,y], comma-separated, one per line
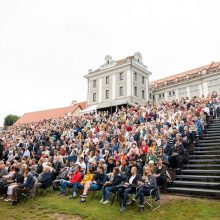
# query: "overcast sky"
[47,46]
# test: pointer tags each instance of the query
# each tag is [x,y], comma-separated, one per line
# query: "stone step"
[199,152]
[198,177]
[212,140]
[205,156]
[195,191]
[199,171]
[196,183]
[217,144]
[212,148]
[202,166]
[204,161]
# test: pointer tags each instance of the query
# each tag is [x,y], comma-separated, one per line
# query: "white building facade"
[202,81]
[126,82]
[122,82]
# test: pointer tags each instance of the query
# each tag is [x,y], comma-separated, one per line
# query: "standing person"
[1,149]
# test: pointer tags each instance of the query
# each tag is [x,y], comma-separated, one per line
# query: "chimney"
[73,102]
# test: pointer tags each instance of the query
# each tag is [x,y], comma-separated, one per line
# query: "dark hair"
[116,169]
[101,168]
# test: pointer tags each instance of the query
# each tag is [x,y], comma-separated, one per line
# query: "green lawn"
[51,206]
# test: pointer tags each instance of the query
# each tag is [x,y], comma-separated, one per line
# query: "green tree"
[10,120]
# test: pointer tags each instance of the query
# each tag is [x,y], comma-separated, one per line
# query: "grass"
[53,207]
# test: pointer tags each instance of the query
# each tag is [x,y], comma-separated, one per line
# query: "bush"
[10,120]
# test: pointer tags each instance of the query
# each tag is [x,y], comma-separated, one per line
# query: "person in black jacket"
[109,186]
[128,187]
[25,187]
[44,180]
[98,181]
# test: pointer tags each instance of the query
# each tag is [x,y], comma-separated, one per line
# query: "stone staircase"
[201,176]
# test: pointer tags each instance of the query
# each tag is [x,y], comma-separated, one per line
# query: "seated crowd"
[126,152]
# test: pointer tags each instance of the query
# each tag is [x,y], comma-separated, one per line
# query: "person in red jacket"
[73,178]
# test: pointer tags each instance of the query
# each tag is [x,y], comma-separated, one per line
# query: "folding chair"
[153,200]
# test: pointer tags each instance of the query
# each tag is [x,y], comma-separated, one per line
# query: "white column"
[100,90]
[113,86]
[88,94]
[147,89]
[166,96]
[129,88]
[188,92]
[177,93]
[205,89]
[200,89]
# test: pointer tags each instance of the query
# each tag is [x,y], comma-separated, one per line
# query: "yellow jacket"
[86,178]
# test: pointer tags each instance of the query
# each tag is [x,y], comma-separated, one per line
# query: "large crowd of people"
[129,151]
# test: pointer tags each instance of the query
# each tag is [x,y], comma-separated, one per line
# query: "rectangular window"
[150,96]
[169,93]
[194,88]
[160,96]
[94,83]
[143,79]
[143,94]
[107,79]
[153,97]
[173,92]
[107,94]
[121,91]
[135,91]
[121,76]
[94,97]
[135,76]
[163,95]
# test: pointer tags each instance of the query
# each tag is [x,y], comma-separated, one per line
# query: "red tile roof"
[189,72]
[50,113]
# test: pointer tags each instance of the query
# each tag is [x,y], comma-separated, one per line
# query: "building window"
[150,96]
[121,91]
[163,95]
[173,92]
[143,94]
[153,97]
[94,83]
[94,97]
[135,76]
[160,96]
[107,94]
[121,76]
[107,79]
[170,93]
[135,91]
[194,88]
[143,79]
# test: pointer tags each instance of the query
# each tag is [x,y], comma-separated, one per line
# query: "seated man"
[25,187]
[160,174]
[128,187]
[96,184]
[73,178]
[87,178]
[44,180]
[148,183]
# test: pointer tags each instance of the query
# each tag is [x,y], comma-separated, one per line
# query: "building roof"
[119,62]
[198,70]
[50,113]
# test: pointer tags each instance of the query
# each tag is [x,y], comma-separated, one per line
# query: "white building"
[122,82]
[126,82]
[201,81]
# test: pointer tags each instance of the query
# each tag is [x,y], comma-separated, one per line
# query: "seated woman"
[96,184]
[109,186]
[18,178]
[87,178]
[25,187]
[160,174]
[148,183]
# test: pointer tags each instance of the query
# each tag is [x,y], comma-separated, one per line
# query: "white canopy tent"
[89,109]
